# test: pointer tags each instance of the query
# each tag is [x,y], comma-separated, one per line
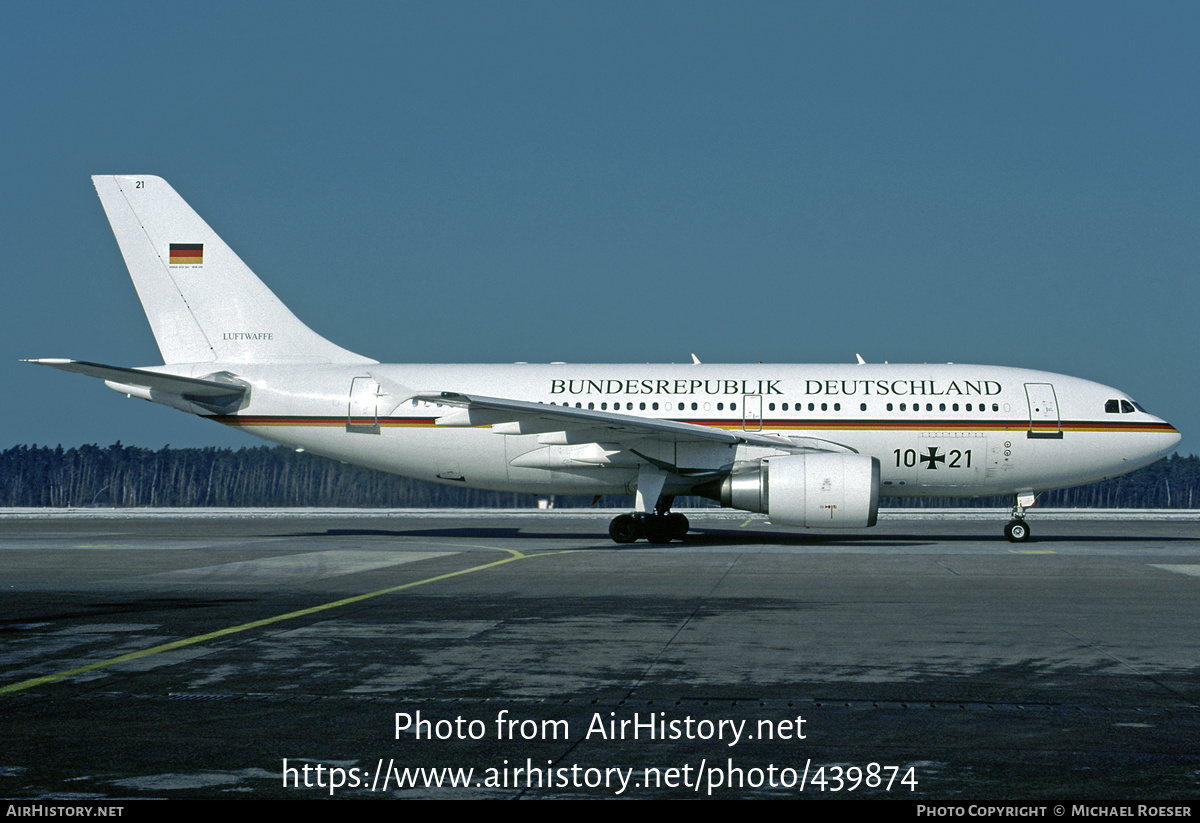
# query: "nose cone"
[1155,442]
[1170,437]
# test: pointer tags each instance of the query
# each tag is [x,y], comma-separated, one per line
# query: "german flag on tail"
[187,254]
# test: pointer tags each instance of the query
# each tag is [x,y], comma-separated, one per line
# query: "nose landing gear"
[1017,530]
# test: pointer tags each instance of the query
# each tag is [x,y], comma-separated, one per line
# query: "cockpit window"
[1126,407]
[1112,406]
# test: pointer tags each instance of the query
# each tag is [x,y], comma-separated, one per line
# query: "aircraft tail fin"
[203,303]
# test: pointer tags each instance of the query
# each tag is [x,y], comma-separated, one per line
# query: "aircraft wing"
[587,425]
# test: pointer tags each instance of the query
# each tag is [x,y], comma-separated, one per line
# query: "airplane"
[813,446]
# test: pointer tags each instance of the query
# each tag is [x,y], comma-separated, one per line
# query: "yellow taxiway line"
[267,621]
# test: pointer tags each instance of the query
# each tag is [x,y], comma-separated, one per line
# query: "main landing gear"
[658,527]
[1017,530]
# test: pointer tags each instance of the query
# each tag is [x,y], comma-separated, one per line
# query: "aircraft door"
[362,416]
[1043,411]
[752,412]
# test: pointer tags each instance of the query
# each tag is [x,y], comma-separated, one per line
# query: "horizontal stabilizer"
[212,394]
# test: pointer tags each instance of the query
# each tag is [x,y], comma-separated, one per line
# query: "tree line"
[120,476]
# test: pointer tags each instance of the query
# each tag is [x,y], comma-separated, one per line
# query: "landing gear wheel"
[624,529]
[658,529]
[1017,531]
[678,525]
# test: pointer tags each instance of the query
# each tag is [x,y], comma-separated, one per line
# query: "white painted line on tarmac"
[1179,568]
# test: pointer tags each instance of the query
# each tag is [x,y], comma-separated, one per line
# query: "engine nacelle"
[838,491]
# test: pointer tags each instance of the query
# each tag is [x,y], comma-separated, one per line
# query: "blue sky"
[1007,183]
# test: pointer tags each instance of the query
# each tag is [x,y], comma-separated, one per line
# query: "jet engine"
[839,491]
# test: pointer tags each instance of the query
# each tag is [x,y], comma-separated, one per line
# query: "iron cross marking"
[933,458]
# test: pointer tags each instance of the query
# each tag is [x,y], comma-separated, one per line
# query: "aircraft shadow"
[708,537]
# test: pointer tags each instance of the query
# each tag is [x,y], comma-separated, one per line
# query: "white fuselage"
[937,430]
